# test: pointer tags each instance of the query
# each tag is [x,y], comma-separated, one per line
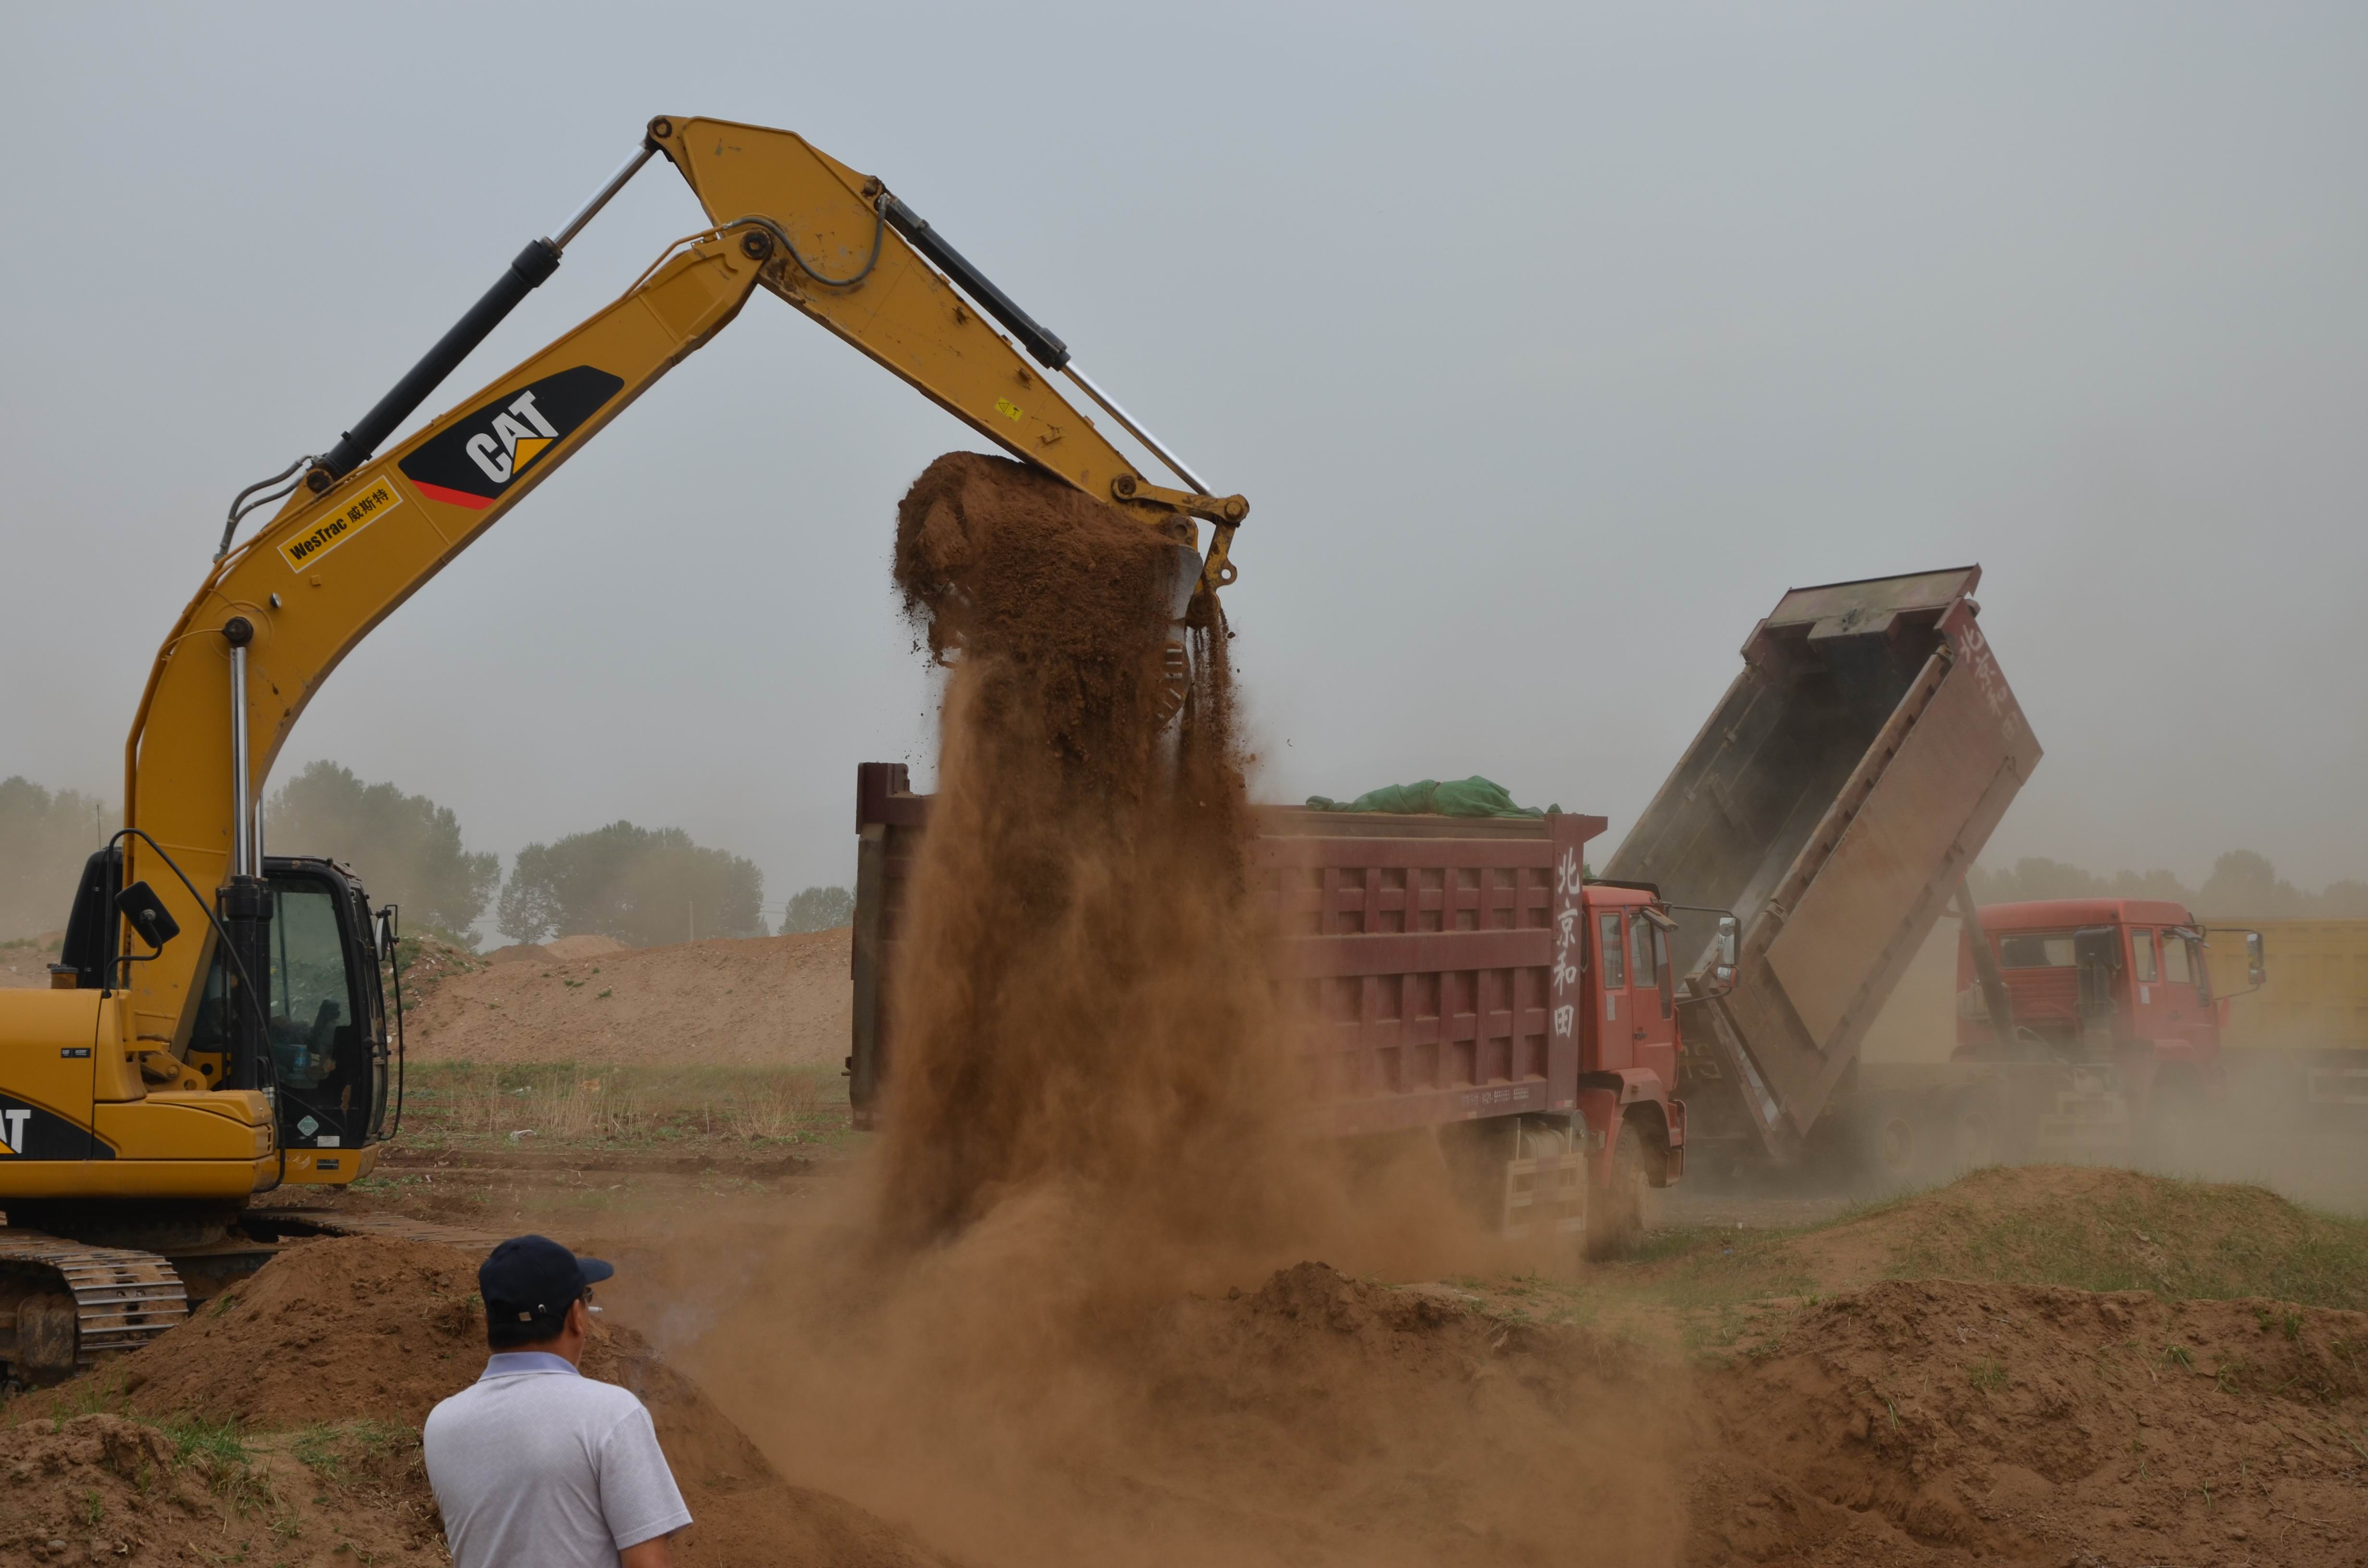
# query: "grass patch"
[335,1451]
[217,1453]
[2182,1239]
[635,1108]
[206,1444]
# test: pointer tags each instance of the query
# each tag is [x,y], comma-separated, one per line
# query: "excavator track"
[122,1298]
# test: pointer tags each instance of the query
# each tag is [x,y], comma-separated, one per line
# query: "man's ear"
[579,1317]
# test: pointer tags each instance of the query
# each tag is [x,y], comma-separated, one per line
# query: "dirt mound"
[583,947]
[91,1480]
[759,1001]
[2041,1423]
[280,1349]
[363,1330]
[2099,1229]
[1316,1420]
[519,952]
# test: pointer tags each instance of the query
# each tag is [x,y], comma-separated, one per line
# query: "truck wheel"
[1615,1211]
[1977,1139]
[1894,1145]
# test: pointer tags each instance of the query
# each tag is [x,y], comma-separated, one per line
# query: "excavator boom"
[364,530]
[242,1040]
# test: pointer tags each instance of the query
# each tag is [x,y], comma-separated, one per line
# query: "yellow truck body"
[2306,1028]
[2316,997]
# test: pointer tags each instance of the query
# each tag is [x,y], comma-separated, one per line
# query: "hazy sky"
[1551,344]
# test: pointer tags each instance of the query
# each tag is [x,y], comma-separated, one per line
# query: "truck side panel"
[1422,969]
[1424,959]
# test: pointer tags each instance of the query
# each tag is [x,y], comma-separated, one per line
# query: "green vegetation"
[687,1111]
[216,1453]
[45,839]
[208,1445]
[645,887]
[819,909]
[2241,883]
[1722,1292]
[2180,1239]
[335,1451]
[406,848]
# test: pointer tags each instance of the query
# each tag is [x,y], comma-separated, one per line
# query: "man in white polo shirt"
[534,1465]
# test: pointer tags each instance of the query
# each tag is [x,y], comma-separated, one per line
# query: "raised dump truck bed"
[1833,804]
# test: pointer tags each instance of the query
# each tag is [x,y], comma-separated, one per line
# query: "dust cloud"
[1069,1312]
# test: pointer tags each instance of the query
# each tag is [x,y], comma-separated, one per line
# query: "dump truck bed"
[1833,804]
[1415,954]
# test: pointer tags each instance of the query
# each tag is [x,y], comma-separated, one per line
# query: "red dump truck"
[1447,973]
[1831,806]
[2088,1029]
[1586,1038]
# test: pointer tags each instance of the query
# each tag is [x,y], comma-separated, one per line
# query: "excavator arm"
[364,529]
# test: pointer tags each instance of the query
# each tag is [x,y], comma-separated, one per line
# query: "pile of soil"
[585,946]
[758,1001]
[2100,1227]
[1936,1420]
[357,1329]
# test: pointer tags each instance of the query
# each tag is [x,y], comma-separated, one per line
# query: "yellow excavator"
[216,1027]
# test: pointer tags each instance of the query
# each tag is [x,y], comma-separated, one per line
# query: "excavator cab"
[326,1019]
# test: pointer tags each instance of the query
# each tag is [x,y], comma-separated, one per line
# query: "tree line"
[645,887]
[2242,884]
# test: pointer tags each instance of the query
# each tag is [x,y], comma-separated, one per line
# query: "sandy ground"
[1839,1414]
[28,964]
[761,1001]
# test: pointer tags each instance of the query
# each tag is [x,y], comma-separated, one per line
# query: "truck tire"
[1615,1211]
[1893,1145]
[1978,1146]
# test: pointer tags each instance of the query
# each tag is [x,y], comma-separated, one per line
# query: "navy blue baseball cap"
[533,1280]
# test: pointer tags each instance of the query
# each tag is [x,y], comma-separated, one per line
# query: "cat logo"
[475,460]
[12,1130]
[510,444]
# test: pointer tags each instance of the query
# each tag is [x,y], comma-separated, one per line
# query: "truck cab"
[2094,981]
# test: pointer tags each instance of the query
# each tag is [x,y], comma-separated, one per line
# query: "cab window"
[1615,968]
[2141,955]
[310,1018]
[1652,955]
[310,1007]
[2035,952]
[2175,967]
[1640,936]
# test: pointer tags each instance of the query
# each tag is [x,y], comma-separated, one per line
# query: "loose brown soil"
[759,1001]
[1936,1420]
[357,1330]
